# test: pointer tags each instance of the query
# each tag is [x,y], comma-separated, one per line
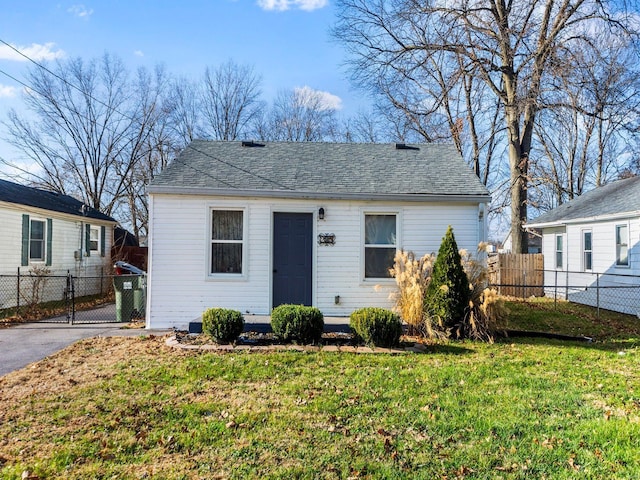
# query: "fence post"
[524,284]
[67,294]
[18,294]
[566,289]
[555,293]
[598,296]
[73,299]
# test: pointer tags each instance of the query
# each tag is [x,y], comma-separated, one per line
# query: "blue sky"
[287,41]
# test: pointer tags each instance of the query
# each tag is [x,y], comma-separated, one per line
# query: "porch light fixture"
[321,213]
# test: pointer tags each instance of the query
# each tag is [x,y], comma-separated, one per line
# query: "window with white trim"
[587,250]
[94,239]
[559,251]
[37,239]
[622,245]
[380,244]
[227,243]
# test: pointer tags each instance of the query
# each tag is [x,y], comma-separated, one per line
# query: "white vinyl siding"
[67,233]
[181,288]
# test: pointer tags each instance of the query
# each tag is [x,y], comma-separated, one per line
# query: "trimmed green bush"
[447,296]
[222,324]
[297,323]
[376,326]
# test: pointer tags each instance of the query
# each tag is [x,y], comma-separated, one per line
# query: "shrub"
[376,326]
[412,277]
[486,307]
[222,324]
[297,323]
[447,295]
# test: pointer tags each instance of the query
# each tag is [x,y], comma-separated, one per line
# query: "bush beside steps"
[222,324]
[376,326]
[297,323]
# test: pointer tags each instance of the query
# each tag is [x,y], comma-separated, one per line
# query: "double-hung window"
[380,244]
[94,238]
[622,245]
[227,241]
[587,250]
[559,252]
[37,240]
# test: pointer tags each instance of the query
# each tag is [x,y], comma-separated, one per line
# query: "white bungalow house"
[250,226]
[49,232]
[594,241]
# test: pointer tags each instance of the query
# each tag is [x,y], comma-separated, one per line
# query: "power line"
[110,107]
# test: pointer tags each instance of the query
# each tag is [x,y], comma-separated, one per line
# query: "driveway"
[25,343]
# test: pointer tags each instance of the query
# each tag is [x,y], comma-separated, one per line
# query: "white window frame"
[586,252]
[560,251]
[210,241]
[364,245]
[94,228]
[617,227]
[44,240]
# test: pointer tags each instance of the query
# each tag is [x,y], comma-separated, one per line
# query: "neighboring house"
[50,231]
[534,242]
[594,240]
[250,226]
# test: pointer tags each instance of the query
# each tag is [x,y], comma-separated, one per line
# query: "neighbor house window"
[559,251]
[227,242]
[622,245]
[380,243]
[94,239]
[37,240]
[587,250]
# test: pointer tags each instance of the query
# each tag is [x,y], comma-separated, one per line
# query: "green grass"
[522,408]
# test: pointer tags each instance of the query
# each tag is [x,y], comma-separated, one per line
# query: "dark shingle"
[615,198]
[34,197]
[330,168]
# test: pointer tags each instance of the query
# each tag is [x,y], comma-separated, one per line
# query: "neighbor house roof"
[321,170]
[616,199]
[56,202]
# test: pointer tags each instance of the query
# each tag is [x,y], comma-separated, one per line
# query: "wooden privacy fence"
[517,274]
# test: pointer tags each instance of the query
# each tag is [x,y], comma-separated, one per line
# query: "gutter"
[405,197]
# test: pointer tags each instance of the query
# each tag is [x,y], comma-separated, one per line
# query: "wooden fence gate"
[517,274]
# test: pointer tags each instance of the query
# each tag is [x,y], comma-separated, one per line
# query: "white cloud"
[138,53]
[282,5]
[80,11]
[318,98]
[7,92]
[35,52]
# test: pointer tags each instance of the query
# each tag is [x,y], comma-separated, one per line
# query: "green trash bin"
[140,297]
[125,286]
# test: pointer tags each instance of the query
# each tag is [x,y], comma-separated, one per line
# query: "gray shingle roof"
[321,168]
[34,197]
[614,198]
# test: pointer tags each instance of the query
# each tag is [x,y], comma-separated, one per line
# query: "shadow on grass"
[448,349]
[605,344]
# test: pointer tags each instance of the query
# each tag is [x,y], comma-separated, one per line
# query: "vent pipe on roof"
[404,146]
[251,143]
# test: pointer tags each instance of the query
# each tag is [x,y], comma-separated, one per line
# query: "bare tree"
[511,48]
[299,115]
[230,100]
[93,125]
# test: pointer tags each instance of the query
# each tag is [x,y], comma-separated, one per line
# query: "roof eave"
[405,197]
[573,221]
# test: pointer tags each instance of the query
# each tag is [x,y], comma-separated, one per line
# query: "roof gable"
[56,202]
[321,168]
[616,198]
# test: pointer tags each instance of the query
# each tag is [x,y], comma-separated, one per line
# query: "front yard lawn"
[520,408]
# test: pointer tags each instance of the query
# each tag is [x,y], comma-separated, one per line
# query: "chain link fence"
[608,291]
[35,295]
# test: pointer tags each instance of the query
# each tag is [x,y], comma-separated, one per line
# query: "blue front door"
[292,258]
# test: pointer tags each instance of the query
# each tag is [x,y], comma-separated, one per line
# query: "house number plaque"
[326,239]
